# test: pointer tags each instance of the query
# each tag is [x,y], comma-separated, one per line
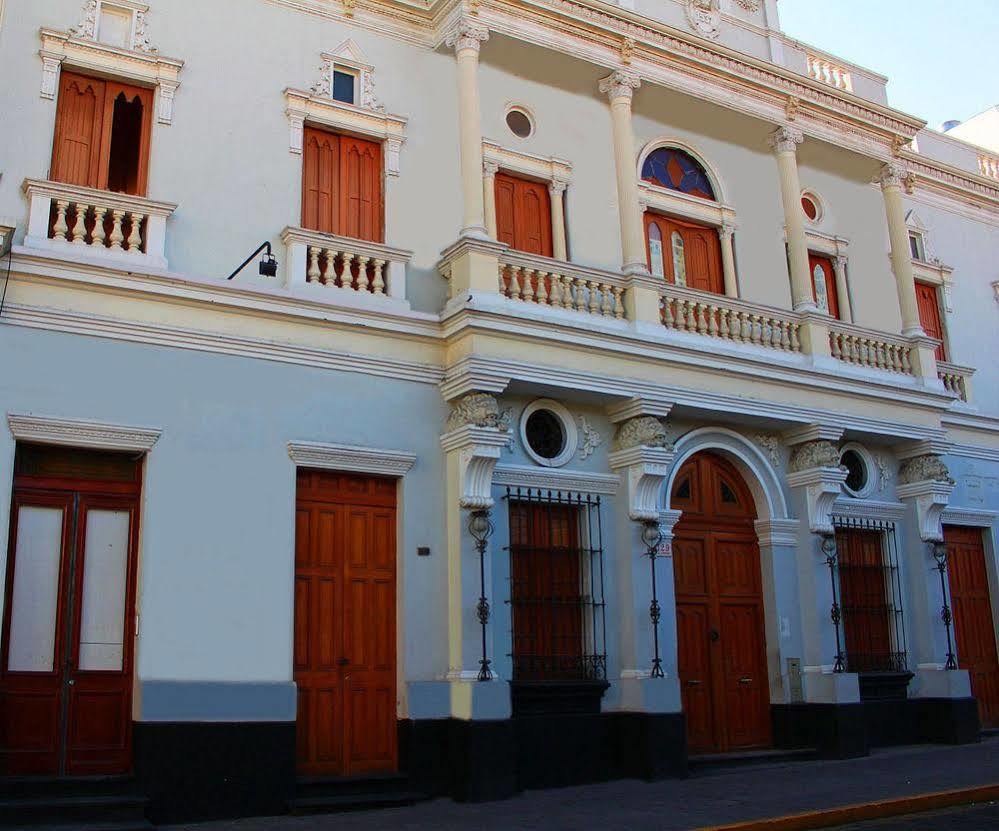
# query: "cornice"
[98,435]
[555,479]
[374,460]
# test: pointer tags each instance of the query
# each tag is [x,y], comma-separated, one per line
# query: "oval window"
[520,123]
[856,471]
[810,205]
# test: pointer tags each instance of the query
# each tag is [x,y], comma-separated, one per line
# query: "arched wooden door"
[719,609]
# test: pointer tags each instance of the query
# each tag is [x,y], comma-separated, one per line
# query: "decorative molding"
[555,479]
[823,486]
[813,454]
[641,431]
[973,517]
[771,444]
[868,509]
[591,438]
[88,27]
[638,406]
[786,139]
[350,458]
[478,450]
[773,532]
[570,434]
[885,472]
[647,468]
[751,6]
[620,84]
[348,55]
[930,498]
[97,435]
[667,525]
[705,17]
[927,468]
[478,409]
[892,175]
[466,34]
[552,169]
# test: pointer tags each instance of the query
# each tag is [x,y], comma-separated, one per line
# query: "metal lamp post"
[481,529]
[652,537]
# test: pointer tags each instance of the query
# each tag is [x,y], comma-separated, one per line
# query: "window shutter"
[505,210]
[360,189]
[929,315]
[76,154]
[320,172]
[523,215]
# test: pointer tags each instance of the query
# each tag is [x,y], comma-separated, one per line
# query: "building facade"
[612,384]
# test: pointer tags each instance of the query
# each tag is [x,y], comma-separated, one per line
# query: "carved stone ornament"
[786,139]
[749,5]
[704,17]
[642,431]
[771,444]
[86,29]
[591,438]
[466,35]
[792,108]
[927,468]
[892,175]
[620,84]
[814,454]
[478,409]
[885,473]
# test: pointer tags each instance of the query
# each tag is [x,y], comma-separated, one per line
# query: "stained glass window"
[672,168]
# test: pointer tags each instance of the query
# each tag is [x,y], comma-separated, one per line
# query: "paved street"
[975,818]
[709,798]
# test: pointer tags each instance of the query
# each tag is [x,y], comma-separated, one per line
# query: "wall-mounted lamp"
[6,236]
[268,263]
[652,538]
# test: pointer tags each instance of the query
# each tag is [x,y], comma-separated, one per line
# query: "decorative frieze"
[928,468]
[814,454]
[704,17]
[642,431]
[96,435]
[478,409]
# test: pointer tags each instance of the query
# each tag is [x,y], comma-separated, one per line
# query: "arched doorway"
[721,639]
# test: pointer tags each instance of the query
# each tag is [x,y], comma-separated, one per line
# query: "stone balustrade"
[830,73]
[112,225]
[956,379]
[686,310]
[548,282]
[338,266]
[865,347]
[988,166]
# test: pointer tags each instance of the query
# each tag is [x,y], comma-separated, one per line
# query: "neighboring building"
[553,285]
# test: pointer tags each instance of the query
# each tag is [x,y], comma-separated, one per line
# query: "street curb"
[831,817]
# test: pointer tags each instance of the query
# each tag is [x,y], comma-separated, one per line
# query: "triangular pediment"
[350,53]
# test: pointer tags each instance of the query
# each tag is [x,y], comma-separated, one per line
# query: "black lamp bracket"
[267,261]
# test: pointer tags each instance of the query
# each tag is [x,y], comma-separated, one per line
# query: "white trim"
[547,168]
[973,517]
[675,143]
[773,532]
[870,468]
[868,509]
[569,430]
[98,435]
[351,458]
[556,480]
[528,113]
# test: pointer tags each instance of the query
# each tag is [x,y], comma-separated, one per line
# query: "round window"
[548,433]
[520,123]
[857,462]
[810,205]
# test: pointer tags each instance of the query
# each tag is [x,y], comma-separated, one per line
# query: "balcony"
[956,379]
[113,226]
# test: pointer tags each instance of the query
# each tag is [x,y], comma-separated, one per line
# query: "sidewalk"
[707,799]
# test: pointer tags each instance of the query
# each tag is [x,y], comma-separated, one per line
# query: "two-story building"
[604,385]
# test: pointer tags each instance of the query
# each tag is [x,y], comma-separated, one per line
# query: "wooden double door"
[345,619]
[684,253]
[69,621]
[974,625]
[719,609]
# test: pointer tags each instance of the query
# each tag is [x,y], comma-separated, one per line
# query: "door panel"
[824,284]
[694,668]
[523,214]
[928,305]
[974,625]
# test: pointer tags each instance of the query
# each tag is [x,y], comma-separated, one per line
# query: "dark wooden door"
[864,598]
[523,214]
[928,304]
[719,606]
[67,657]
[974,626]
[345,651]
[824,284]
[684,253]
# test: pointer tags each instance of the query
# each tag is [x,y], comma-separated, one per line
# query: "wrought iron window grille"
[556,586]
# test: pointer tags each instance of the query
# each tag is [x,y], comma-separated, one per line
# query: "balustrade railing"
[66,217]
[862,347]
[686,310]
[956,379]
[830,73]
[546,282]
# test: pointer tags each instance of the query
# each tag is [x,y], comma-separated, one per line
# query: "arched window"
[672,168]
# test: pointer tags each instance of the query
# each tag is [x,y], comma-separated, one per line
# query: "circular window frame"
[524,111]
[820,210]
[870,468]
[569,431]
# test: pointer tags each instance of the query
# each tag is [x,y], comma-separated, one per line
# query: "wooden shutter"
[523,215]
[320,181]
[360,189]
[506,198]
[829,277]
[929,315]
[79,130]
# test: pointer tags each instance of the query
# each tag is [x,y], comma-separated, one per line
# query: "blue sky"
[941,56]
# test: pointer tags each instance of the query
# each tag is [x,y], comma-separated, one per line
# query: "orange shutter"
[320,172]
[929,315]
[76,153]
[506,198]
[523,215]
[360,189]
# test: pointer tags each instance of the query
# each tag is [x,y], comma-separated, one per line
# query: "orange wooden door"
[928,304]
[344,646]
[720,616]
[864,600]
[523,214]
[974,626]
[824,284]
[67,656]
[79,130]
[684,253]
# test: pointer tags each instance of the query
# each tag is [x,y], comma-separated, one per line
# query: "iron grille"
[556,586]
[870,595]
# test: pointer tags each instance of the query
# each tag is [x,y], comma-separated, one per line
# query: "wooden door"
[824,284]
[863,597]
[66,673]
[344,645]
[974,625]
[928,304]
[684,253]
[719,606]
[523,214]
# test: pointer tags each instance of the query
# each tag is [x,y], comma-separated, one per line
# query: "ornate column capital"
[726,230]
[892,175]
[466,35]
[620,84]
[490,168]
[786,139]
[840,260]
[556,187]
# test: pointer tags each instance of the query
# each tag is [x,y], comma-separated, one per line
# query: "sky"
[941,56]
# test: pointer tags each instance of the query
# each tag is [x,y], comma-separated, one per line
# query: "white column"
[728,260]
[891,179]
[785,141]
[557,191]
[842,290]
[489,171]
[466,39]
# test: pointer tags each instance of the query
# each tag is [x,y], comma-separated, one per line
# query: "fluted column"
[728,260]
[785,141]
[466,39]
[489,171]
[891,179]
[842,290]
[557,191]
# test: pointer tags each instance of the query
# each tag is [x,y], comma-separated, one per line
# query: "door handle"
[713,635]
[342,662]
[693,683]
[746,680]
[72,682]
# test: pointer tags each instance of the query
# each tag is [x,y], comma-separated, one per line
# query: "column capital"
[892,175]
[490,168]
[786,139]
[556,187]
[726,230]
[620,84]
[466,35]
[840,260]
